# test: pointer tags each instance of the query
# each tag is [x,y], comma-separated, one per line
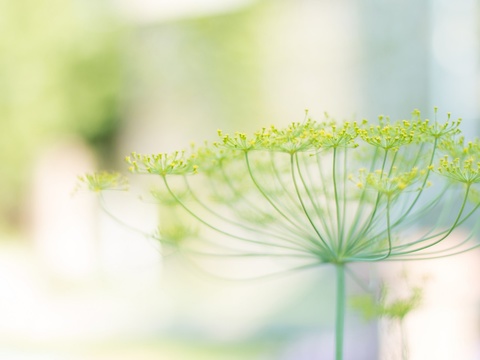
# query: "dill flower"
[327,192]
[333,193]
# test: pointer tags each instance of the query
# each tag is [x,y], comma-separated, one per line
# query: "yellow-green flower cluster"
[461,161]
[175,163]
[212,157]
[102,181]
[439,130]
[388,136]
[333,136]
[390,184]
[308,136]
[296,137]
[465,171]
[240,141]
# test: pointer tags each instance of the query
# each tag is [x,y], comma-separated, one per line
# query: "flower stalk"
[340,311]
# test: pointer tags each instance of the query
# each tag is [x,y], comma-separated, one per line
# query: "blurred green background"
[61,74]
[84,82]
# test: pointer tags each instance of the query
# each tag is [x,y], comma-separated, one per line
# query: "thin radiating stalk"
[268,198]
[368,225]
[289,240]
[337,202]
[201,220]
[283,186]
[358,212]
[450,230]
[344,205]
[292,166]
[104,208]
[327,193]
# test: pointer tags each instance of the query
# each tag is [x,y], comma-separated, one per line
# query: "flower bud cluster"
[175,163]
[102,181]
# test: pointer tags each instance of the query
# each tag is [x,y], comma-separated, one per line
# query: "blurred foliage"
[390,308]
[60,73]
[227,46]
[205,66]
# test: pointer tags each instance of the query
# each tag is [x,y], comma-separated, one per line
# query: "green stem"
[403,340]
[340,311]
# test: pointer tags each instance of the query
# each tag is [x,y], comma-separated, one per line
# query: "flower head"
[175,163]
[392,184]
[325,192]
[387,135]
[102,181]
